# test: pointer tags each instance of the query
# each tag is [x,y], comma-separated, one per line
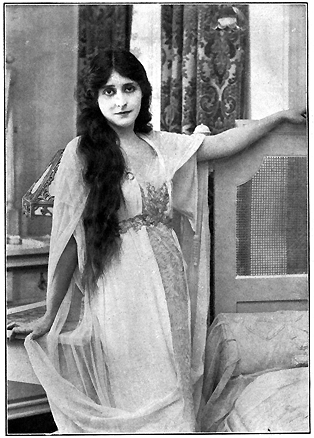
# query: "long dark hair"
[104,162]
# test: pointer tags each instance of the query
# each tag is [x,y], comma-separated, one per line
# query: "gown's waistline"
[141,220]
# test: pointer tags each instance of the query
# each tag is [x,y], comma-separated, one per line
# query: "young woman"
[113,350]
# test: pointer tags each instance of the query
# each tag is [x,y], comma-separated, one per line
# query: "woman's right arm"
[235,140]
[60,284]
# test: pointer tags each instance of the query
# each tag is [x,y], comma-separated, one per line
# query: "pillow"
[270,340]
[253,411]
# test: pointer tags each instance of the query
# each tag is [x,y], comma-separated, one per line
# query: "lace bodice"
[155,202]
[155,208]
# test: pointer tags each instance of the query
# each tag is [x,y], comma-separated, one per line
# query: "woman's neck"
[126,135]
[129,140]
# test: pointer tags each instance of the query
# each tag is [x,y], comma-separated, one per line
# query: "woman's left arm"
[235,140]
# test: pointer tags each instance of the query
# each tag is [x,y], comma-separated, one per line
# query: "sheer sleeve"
[70,194]
[177,149]
[189,199]
[179,156]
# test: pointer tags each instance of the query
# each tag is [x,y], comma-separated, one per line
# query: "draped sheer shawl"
[189,200]
[189,195]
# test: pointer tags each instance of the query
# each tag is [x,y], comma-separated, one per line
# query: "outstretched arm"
[235,140]
[60,284]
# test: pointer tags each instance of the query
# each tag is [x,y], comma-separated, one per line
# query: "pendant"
[129,176]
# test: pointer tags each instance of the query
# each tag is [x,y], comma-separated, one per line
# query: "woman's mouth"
[122,113]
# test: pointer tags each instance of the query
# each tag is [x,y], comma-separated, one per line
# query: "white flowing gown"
[128,356]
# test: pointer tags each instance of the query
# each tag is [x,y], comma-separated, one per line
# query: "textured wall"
[42,39]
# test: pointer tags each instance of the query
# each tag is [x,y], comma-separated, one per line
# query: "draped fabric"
[103,27]
[203,59]
[120,358]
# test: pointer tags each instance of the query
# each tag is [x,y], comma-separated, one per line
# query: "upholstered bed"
[256,377]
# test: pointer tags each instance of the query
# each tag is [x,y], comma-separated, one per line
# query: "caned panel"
[271,219]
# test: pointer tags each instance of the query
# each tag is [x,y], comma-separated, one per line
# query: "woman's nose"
[120,100]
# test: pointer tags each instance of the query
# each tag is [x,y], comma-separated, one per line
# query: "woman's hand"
[295,116]
[36,329]
[58,288]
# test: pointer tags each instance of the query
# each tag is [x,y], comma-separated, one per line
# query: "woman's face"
[120,101]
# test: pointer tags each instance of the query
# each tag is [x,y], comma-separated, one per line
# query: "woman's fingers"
[37,333]
[296,116]
[41,328]
[19,331]
[35,329]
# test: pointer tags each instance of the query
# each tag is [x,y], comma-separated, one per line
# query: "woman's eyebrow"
[109,86]
[123,85]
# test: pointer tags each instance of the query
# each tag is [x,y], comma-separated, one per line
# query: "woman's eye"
[108,92]
[130,88]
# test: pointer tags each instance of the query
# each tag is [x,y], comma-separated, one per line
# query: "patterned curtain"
[102,27]
[203,60]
